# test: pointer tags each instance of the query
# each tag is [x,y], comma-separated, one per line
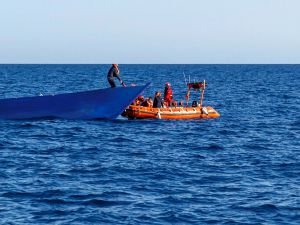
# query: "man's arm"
[123,84]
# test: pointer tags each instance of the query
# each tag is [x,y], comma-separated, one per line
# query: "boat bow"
[96,104]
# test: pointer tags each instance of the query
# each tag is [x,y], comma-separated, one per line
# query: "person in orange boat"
[112,73]
[139,100]
[157,102]
[150,101]
[147,102]
[168,95]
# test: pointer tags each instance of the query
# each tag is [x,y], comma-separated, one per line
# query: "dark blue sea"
[242,168]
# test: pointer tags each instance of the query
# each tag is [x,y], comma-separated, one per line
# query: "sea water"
[242,168]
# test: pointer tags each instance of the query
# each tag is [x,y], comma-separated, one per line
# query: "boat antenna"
[189,78]
[202,93]
[184,78]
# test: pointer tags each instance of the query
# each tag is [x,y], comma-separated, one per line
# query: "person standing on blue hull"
[112,73]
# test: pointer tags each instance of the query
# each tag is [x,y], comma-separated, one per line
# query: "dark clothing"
[112,73]
[158,102]
[145,104]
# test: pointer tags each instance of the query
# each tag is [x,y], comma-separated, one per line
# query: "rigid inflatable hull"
[171,113]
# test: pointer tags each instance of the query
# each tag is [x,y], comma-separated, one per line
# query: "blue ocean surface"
[242,168]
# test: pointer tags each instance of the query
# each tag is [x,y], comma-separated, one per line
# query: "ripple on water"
[239,169]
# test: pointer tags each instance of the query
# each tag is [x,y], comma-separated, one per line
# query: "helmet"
[168,84]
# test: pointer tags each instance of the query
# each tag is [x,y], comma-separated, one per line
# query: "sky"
[150,31]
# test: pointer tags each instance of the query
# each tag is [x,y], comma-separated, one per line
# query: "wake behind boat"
[106,103]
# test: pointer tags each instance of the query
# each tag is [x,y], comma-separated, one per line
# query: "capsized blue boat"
[106,103]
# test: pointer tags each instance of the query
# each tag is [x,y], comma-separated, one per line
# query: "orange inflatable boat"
[175,113]
[195,111]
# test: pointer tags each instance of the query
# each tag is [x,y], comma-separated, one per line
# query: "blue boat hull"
[106,103]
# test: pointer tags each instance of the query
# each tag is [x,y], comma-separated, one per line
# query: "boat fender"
[204,110]
[158,115]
